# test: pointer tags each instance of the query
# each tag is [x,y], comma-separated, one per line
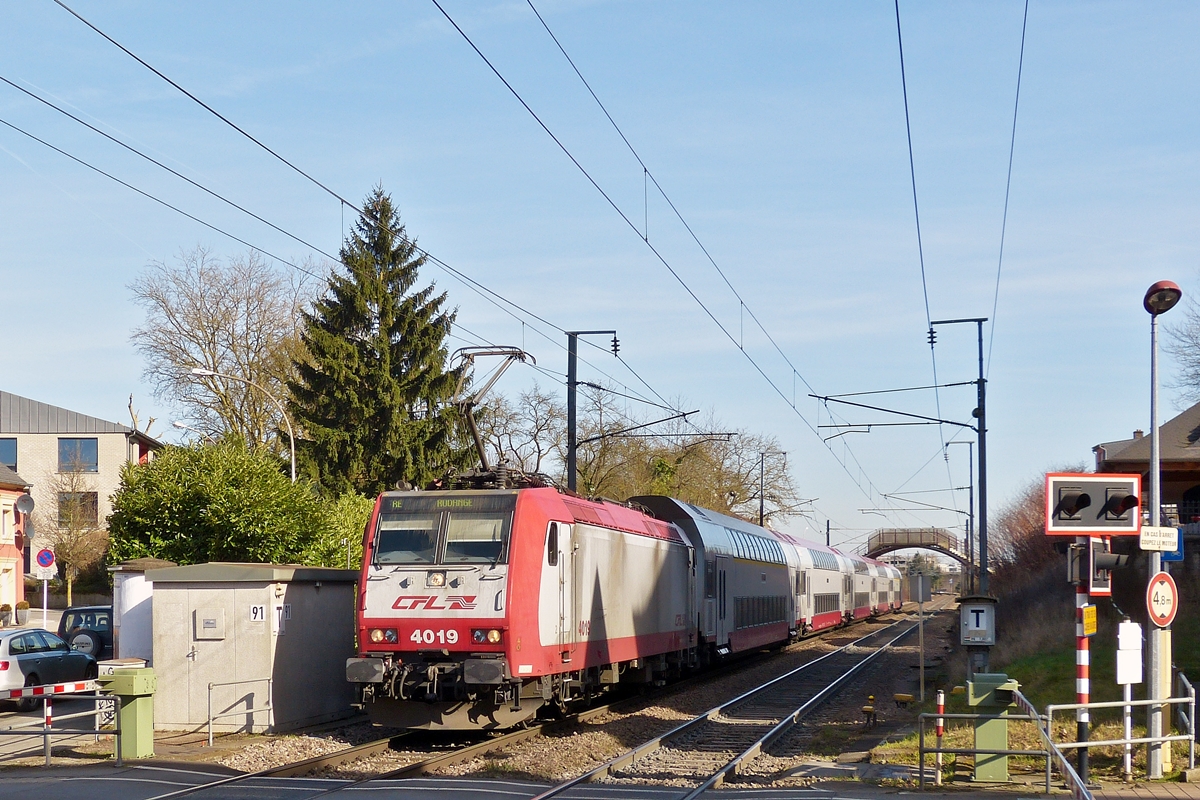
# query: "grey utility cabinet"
[259,646]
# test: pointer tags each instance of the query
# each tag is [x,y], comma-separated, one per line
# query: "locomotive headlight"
[390,636]
[493,636]
[478,636]
[435,579]
[376,635]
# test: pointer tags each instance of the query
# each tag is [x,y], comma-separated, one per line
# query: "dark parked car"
[36,658]
[88,629]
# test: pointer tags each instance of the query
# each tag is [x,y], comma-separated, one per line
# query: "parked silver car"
[37,657]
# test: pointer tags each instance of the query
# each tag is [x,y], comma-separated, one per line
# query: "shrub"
[222,502]
[23,605]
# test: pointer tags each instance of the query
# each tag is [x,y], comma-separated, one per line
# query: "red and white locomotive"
[479,607]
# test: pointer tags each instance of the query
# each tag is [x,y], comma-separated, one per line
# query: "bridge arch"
[940,540]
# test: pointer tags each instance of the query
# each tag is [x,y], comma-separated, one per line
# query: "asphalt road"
[146,782]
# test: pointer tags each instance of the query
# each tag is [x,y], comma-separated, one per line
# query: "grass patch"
[832,740]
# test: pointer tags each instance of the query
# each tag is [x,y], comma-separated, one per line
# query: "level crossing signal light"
[1090,504]
[1102,561]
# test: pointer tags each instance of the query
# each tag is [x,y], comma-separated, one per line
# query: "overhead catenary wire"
[647,173]
[158,200]
[344,202]
[1012,145]
[912,171]
[858,480]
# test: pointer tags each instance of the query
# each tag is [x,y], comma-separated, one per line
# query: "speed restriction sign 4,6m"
[1162,599]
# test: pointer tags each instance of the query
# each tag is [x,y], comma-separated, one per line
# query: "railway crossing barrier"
[45,729]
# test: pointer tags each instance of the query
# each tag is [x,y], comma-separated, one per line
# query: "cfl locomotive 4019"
[479,608]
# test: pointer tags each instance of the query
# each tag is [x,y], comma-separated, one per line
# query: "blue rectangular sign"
[1176,555]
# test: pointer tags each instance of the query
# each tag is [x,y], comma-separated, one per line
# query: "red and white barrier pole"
[1083,664]
[47,723]
[941,729]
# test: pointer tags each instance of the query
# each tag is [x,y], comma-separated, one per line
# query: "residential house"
[1179,459]
[12,538]
[73,461]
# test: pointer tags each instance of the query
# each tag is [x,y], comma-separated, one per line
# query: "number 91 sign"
[1162,599]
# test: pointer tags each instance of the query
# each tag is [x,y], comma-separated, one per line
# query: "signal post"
[1090,509]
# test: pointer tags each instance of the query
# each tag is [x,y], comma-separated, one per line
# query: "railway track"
[703,744]
[720,741]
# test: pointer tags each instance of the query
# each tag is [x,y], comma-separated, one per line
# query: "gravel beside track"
[575,748]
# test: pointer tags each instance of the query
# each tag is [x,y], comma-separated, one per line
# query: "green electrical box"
[134,690]
[991,693]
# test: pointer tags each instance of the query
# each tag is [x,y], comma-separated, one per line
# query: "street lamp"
[1160,298]
[183,427]
[208,373]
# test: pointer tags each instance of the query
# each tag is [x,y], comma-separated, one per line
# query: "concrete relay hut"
[272,639]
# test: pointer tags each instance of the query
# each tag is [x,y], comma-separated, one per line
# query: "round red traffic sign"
[1162,599]
[45,558]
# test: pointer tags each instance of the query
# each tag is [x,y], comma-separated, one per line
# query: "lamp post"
[1160,298]
[208,373]
[182,427]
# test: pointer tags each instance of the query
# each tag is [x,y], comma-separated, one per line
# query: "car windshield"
[406,539]
[475,537]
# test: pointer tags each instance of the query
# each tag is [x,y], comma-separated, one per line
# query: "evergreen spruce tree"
[371,398]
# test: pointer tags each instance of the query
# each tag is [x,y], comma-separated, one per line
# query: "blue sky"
[776,128]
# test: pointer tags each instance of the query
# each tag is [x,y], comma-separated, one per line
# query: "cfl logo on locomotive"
[413,602]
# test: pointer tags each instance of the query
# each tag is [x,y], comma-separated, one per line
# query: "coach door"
[566,590]
[725,619]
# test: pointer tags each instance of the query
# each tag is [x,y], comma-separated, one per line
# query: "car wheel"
[86,642]
[29,703]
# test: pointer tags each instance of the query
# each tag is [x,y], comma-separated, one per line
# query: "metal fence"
[1055,752]
[104,709]
[248,711]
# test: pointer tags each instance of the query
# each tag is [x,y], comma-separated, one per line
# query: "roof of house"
[1179,440]
[11,479]
[22,415]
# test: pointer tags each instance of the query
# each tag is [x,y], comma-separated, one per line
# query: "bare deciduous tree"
[240,317]
[525,433]
[676,458]
[73,530]
[1183,342]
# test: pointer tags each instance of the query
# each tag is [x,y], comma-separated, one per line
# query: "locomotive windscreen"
[444,529]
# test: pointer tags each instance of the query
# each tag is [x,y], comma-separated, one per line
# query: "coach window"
[406,539]
[477,538]
[552,545]
[710,578]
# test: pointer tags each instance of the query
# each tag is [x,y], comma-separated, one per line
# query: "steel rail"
[468,752]
[630,756]
[769,738]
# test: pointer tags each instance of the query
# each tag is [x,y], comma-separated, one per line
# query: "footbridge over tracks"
[885,540]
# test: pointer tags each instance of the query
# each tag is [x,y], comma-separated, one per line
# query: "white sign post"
[47,568]
[1162,539]
[1129,672]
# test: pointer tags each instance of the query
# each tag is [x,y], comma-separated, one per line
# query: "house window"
[8,453]
[78,455]
[78,509]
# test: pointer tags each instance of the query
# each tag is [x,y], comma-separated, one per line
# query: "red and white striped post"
[941,730]
[47,723]
[1083,679]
